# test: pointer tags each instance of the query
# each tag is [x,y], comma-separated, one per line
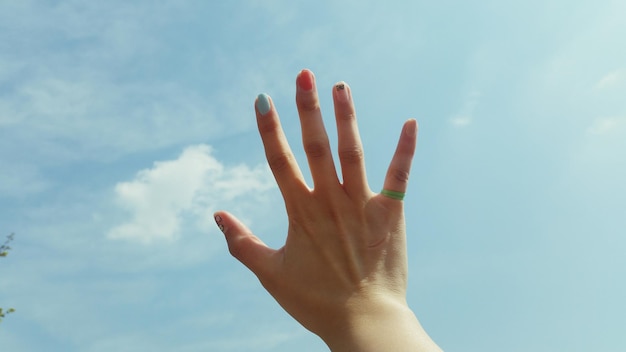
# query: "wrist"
[384,324]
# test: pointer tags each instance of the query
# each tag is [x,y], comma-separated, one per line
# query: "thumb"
[243,244]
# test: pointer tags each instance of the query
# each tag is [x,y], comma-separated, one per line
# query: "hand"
[342,272]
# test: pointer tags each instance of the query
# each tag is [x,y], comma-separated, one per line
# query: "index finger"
[277,151]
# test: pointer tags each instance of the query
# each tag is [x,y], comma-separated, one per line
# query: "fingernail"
[263,103]
[305,80]
[218,221]
[342,92]
[411,128]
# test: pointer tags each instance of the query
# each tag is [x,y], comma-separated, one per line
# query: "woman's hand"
[342,272]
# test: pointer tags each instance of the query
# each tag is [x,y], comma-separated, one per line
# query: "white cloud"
[460,120]
[17,180]
[612,79]
[599,157]
[608,125]
[465,115]
[99,76]
[189,187]
[104,117]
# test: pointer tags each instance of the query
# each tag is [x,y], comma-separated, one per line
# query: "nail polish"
[218,221]
[342,92]
[305,80]
[263,103]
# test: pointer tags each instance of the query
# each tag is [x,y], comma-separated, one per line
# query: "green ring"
[393,194]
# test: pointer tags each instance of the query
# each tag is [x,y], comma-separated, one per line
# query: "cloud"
[612,79]
[17,180]
[460,120]
[606,126]
[98,80]
[465,115]
[190,187]
[598,158]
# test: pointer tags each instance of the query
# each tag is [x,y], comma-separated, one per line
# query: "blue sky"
[124,125]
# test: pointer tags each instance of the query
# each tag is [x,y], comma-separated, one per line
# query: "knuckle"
[308,104]
[353,155]
[268,126]
[316,149]
[280,161]
[348,115]
[400,175]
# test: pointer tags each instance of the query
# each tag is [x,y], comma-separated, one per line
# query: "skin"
[342,272]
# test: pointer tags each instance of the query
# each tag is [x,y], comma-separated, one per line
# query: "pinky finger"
[397,179]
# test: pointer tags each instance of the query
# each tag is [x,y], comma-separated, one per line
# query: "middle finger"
[314,137]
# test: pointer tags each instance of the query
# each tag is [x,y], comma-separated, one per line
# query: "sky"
[125,125]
